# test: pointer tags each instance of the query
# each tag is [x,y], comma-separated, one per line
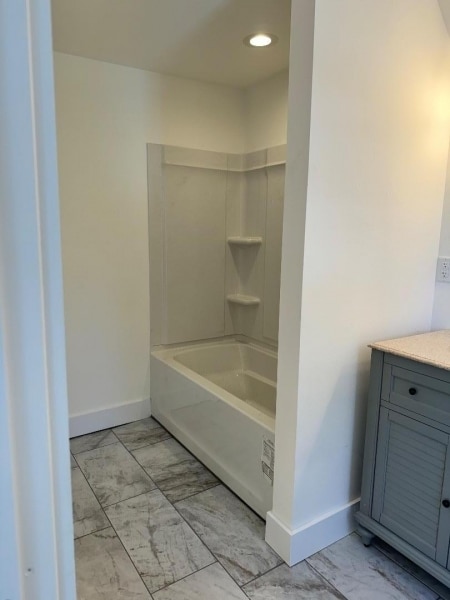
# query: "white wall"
[377,163]
[265,106]
[441,309]
[105,115]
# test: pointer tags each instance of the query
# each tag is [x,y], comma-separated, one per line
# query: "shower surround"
[215,223]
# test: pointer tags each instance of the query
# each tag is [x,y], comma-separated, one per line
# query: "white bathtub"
[218,399]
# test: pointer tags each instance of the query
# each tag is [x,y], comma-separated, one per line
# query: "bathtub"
[218,399]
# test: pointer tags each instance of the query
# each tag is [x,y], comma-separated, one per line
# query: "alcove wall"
[215,243]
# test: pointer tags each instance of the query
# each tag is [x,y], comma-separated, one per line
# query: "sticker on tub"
[268,459]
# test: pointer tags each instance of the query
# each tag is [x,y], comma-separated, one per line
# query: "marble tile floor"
[152,523]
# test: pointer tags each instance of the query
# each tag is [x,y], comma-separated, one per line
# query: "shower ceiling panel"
[198,39]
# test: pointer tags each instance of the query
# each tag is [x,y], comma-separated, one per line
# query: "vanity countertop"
[430,348]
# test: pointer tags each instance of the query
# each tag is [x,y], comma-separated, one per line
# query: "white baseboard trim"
[112,416]
[294,545]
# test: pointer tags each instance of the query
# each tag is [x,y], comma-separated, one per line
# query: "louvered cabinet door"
[412,484]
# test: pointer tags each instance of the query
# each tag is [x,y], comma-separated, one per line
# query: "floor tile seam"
[213,553]
[126,551]
[396,562]
[117,535]
[188,524]
[131,560]
[147,445]
[140,466]
[408,572]
[137,462]
[192,495]
[324,578]
[157,426]
[103,506]
[203,542]
[216,559]
[261,575]
[80,537]
[153,481]
[97,447]
[180,444]
[215,562]
[148,431]
[131,498]
[95,496]
[229,489]
[219,482]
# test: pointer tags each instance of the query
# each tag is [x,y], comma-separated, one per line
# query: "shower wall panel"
[194,228]
[273,235]
[236,189]
[198,200]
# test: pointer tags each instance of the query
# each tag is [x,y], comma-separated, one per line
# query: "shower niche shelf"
[243,299]
[244,240]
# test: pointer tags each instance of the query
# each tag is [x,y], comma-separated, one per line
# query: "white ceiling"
[198,39]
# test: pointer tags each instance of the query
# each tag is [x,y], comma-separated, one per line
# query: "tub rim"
[168,356]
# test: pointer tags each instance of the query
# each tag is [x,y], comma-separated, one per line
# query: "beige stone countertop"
[430,348]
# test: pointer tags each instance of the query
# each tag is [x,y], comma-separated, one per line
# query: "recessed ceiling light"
[260,40]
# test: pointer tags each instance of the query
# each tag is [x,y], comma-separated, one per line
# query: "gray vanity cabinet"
[410,480]
[405,496]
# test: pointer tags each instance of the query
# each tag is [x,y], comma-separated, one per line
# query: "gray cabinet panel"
[406,475]
[410,483]
[428,396]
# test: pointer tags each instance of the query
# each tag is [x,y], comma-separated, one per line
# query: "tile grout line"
[95,447]
[216,562]
[140,467]
[103,506]
[261,575]
[118,537]
[80,537]
[174,507]
[213,553]
[147,445]
[200,539]
[180,515]
[171,437]
[219,482]
[324,578]
[211,487]
[408,572]
[159,426]
[130,498]
[216,559]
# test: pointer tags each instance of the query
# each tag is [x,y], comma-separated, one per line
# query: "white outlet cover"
[443,269]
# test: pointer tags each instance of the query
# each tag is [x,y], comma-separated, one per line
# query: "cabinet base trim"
[112,416]
[440,573]
[294,545]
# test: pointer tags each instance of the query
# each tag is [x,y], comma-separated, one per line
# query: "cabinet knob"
[412,391]
[445,503]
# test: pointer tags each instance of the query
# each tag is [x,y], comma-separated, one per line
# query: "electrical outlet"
[443,269]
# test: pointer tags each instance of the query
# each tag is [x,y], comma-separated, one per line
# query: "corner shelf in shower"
[244,240]
[243,299]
